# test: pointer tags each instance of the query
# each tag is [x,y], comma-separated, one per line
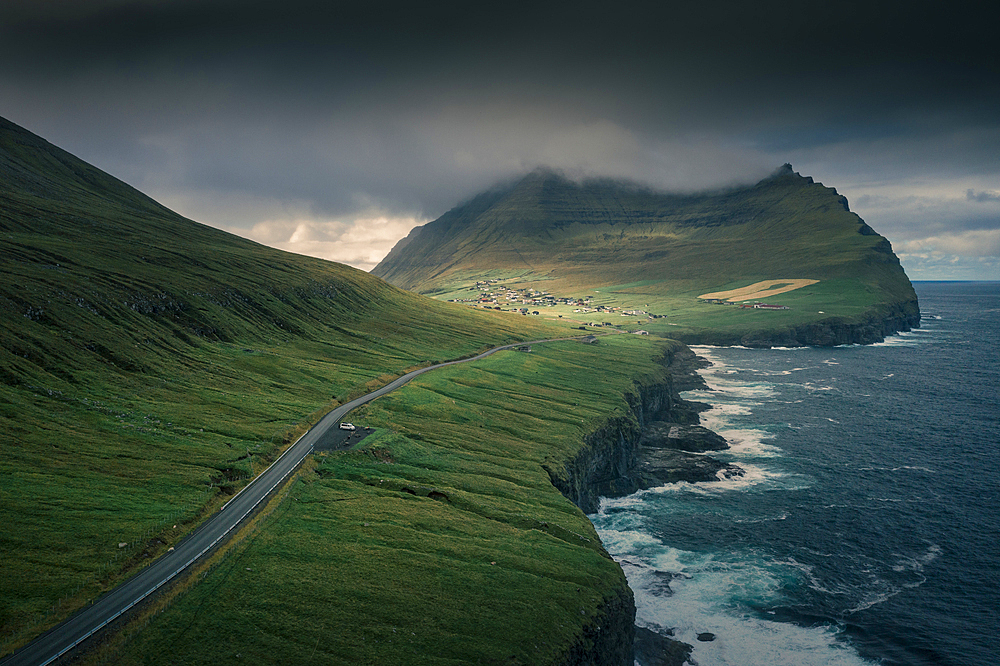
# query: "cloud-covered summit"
[274,118]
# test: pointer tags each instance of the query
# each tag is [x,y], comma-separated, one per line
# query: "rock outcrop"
[681,437]
[652,648]
[608,639]
[874,327]
[657,442]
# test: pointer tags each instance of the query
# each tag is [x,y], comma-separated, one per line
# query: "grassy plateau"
[440,541]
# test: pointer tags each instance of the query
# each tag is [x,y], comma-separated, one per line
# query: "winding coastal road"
[66,636]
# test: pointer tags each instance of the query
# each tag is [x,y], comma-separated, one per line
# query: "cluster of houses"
[494,295]
[756,305]
[764,306]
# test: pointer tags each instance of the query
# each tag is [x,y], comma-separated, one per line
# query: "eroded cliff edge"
[876,326]
[657,441]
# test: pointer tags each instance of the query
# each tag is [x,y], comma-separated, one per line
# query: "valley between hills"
[151,366]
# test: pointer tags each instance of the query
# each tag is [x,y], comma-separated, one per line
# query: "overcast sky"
[332,129]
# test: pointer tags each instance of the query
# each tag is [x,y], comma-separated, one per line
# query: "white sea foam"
[916,468]
[761,519]
[873,600]
[747,443]
[773,373]
[899,340]
[917,564]
[720,387]
[695,593]
[912,567]
[810,386]
[753,475]
[721,593]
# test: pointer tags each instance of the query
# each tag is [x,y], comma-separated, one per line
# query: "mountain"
[623,247]
[149,365]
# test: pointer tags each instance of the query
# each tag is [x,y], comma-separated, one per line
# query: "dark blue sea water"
[867,527]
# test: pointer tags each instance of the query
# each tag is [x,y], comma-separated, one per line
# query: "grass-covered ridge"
[635,249]
[149,365]
[441,541]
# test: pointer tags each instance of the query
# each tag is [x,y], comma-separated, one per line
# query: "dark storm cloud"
[336,109]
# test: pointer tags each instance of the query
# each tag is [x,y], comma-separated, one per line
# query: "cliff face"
[606,464]
[613,463]
[894,318]
[642,449]
[608,640]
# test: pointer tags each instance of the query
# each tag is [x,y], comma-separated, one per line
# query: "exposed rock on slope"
[630,452]
[643,450]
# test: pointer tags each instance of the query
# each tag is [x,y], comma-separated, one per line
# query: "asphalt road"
[64,637]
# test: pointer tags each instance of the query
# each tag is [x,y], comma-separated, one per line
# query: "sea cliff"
[875,326]
[653,443]
[656,441]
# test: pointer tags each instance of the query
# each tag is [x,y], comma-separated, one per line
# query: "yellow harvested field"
[760,290]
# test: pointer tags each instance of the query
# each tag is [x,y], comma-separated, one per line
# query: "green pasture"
[150,365]
[440,541]
[114,456]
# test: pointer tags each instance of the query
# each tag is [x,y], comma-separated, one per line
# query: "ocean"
[866,529]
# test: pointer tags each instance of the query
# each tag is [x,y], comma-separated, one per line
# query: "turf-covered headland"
[689,266]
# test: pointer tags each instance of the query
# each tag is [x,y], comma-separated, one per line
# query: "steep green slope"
[442,540]
[149,365]
[634,249]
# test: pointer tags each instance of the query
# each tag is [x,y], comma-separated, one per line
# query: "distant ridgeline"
[818,273]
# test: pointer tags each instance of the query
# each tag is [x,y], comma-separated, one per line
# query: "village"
[756,305]
[493,294]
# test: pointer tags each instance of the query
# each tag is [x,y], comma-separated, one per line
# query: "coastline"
[844,537]
[875,326]
[658,441]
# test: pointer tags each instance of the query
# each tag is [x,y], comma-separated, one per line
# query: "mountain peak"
[787,173]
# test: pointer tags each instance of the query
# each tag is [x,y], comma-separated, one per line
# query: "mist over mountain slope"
[641,248]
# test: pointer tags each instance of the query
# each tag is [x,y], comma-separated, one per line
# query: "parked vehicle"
[347,426]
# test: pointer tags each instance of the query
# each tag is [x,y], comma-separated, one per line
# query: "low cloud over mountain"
[327,118]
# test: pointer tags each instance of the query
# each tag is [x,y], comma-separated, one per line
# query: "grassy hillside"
[149,365]
[441,541]
[633,249]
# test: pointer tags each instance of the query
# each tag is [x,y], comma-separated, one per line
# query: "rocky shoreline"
[658,442]
[894,318]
